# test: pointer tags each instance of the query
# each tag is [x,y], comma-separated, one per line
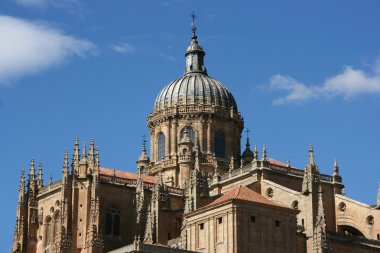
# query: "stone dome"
[195,89]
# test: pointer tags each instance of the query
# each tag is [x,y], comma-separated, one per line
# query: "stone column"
[209,136]
[167,139]
[200,131]
[173,133]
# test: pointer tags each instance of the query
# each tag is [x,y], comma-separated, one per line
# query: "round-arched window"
[295,204]
[160,147]
[220,144]
[370,220]
[190,132]
[269,193]
[342,207]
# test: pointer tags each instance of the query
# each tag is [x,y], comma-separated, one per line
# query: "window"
[201,226]
[219,144]
[220,220]
[378,237]
[113,221]
[277,223]
[161,147]
[190,133]
[253,219]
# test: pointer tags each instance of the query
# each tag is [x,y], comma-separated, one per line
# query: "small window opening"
[253,219]
[220,220]
[277,223]
[303,222]
[201,226]
[378,237]
[169,236]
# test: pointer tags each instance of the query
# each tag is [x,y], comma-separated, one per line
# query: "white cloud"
[31,47]
[347,84]
[124,48]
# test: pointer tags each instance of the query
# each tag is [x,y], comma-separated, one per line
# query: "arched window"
[113,221]
[161,147]
[190,133]
[219,144]
[55,225]
[48,232]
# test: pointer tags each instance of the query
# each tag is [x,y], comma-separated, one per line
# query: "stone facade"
[196,192]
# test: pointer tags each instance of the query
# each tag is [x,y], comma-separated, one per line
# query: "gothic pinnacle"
[91,151]
[264,153]
[22,186]
[76,155]
[311,155]
[40,183]
[255,153]
[84,155]
[336,168]
[97,161]
[65,169]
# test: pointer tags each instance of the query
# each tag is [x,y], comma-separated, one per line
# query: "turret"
[185,158]
[143,161]
[195,54]
[247,155]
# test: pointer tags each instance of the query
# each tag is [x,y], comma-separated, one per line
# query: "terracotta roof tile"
[243,193]
[125,174]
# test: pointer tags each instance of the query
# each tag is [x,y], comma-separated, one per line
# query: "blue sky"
[301,71]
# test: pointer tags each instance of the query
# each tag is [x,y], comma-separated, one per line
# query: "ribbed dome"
[195,89]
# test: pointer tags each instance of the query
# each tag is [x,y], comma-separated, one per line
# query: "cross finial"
[193,27]
[144,141]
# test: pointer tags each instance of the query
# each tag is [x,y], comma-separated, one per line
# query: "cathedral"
[194,190]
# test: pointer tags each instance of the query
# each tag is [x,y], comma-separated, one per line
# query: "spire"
[311,155]
[194,53]
[320,243]
[40,183]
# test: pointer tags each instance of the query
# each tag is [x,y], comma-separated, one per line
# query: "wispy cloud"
[30,47]
[124,48]
[348,84]
[75,7]
[167,56]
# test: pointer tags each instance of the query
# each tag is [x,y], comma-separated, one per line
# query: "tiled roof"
[243,193]
[125,174]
